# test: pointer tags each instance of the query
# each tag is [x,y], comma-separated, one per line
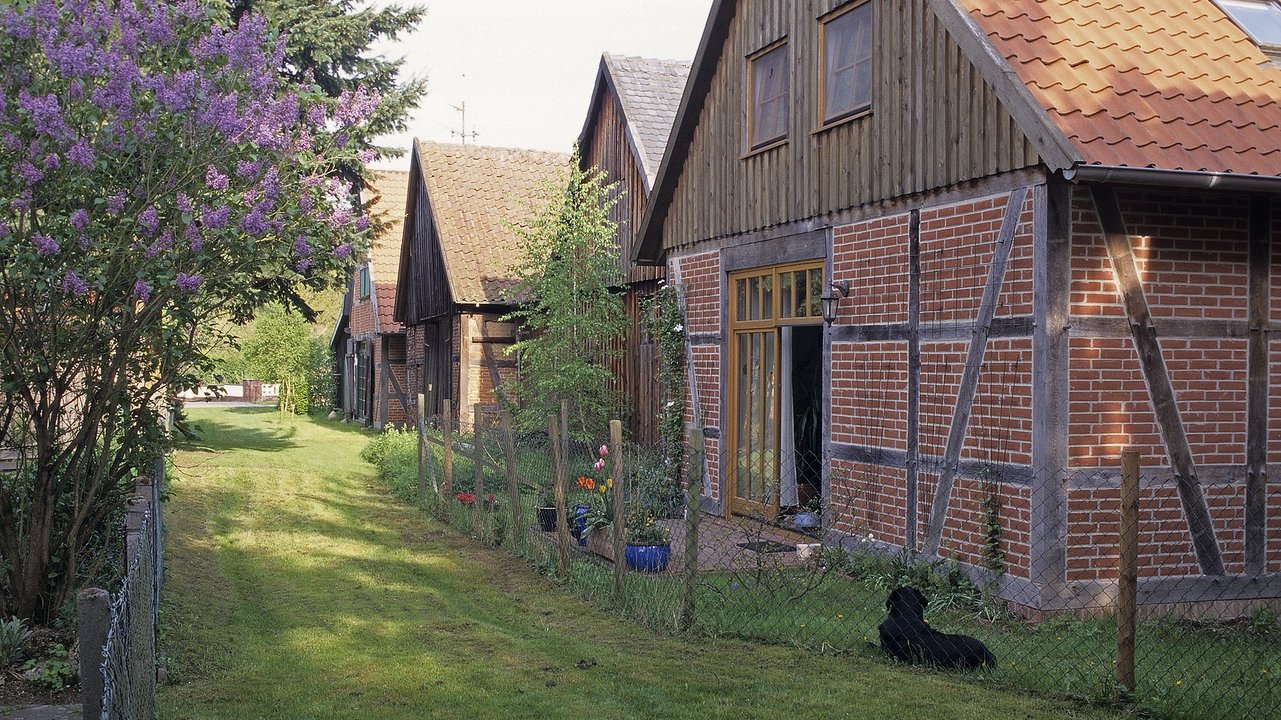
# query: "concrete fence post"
[93,618]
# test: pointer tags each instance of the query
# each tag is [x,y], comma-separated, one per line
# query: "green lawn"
[298,588]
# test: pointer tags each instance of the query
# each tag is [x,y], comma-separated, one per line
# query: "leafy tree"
[159,175]
[570,317]
[279,351]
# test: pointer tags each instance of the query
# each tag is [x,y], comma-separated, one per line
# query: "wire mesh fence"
[1084,584]
[129,657]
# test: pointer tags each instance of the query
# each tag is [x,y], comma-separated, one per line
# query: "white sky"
[525,68]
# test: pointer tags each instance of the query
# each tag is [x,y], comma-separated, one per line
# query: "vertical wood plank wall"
[934,122]
[635,368]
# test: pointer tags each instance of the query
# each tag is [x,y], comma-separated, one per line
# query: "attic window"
[1261,20]
[767,122]
[847,62]
[362,287]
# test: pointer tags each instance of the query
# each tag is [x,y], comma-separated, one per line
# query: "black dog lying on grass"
[906,636]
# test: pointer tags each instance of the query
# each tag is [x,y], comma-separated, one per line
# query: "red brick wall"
[869,394]
[701,277]
[873,257]
[869,500]
[1191,252]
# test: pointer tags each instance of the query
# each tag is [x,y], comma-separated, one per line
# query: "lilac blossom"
[46,113]
[150,220]
[184,202]
[72,283]
[45,245]
[30,173]
[80,219]
[301,248]
[214,179]
[52,161]
[355,107]
[304,265]
[141,290]
[367,155]
[342,252]
[82,154]
[215,218]
[116,203]
[194,241]
[188,283]
[362,223]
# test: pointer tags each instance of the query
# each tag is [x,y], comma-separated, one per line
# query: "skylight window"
[1261,19]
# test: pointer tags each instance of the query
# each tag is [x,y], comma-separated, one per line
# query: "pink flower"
[600,465]
[604,451]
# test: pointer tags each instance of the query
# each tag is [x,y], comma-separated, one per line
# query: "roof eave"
[649,250]
[1181,179]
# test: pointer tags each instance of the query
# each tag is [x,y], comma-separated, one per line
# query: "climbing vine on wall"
[667,327]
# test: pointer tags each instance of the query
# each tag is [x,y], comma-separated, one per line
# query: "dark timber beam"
[1051,350]
[1256,443]
[1195,509]
[973,365]
[913,374]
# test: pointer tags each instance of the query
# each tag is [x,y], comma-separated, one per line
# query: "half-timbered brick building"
[368,344]
[1045,233]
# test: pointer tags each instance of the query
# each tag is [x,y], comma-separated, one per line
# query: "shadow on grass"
[214,436]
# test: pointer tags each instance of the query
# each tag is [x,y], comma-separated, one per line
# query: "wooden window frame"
[776,319]
[364,283]
[777,140]
[824,121]
[1271,49]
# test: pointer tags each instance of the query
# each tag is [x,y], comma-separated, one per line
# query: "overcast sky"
[525,68]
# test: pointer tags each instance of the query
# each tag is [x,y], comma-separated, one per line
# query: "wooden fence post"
[513,490]
[693,507]
[558,487]
[447,486]
[1127,595]
[422,449]
[620,511]
[478,463]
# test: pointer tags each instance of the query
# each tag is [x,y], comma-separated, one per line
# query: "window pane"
[847,79]
[785,295]
[754,298]
[802,305]
[740,301]
[816,292]
[769,97]
[1261,19]
[767,297]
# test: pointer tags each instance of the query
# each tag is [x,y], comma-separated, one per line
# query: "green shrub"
[14,635]
[53,671]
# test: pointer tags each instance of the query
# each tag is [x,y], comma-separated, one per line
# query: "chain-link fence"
[1085,585]
[129,657]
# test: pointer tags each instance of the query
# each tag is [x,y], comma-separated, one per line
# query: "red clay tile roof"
[1173,84]
[476,194]
[390,189]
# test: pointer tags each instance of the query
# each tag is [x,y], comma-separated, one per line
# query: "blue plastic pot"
[648,558]
[579,524]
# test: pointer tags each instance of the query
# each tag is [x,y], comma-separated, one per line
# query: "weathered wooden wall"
[635,370]
[934,122]
[427,295]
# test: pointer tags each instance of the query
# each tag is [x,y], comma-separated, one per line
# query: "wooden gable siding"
[611,150]
[934,122]
[428,291]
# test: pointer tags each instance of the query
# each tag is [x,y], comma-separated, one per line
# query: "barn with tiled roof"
[455,270]
[368,343]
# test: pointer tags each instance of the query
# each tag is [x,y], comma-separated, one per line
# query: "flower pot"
[579,524]
[547,519]
[648,558]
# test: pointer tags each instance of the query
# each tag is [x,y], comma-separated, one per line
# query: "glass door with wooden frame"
[764,305]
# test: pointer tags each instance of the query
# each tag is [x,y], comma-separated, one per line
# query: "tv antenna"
[462,133]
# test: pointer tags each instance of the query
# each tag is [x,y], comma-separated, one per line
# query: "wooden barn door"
[763,302]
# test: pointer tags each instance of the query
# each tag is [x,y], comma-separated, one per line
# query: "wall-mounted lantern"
[830,299]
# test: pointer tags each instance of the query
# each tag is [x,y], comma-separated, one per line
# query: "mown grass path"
[297,588]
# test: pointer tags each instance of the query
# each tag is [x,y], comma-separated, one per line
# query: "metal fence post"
[422,449]
[447,487]
[513,489]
